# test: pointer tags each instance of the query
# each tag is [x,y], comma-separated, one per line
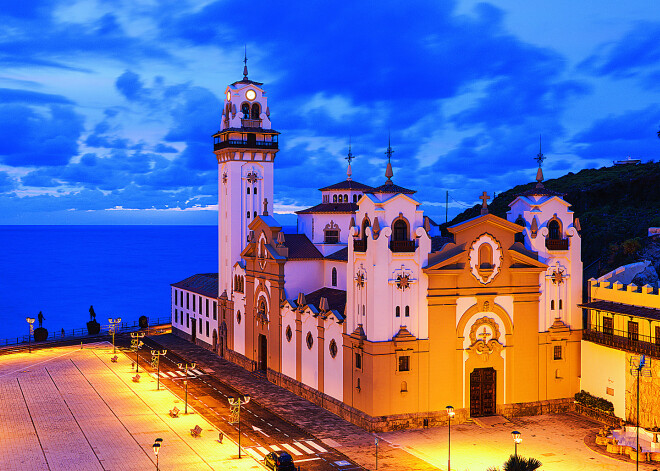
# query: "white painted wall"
[289,360]
[333,372]
[603,368]
[309,357]
[302,276]
[199,312]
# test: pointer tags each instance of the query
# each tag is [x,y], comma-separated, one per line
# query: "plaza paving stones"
[71,409]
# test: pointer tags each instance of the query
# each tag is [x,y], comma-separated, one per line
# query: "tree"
[518,463]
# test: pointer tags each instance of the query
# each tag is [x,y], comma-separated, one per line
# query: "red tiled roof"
[347,185]
[341,255]
[348,208]
[301,248]
[336,299]
[391,188]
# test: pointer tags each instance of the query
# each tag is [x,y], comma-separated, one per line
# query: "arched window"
[256,111]
[238,317]
[248,214]
[334,198]
[553,230]
[404,386]
[255,214]
[397,311]
[333,348]
[340,199]
[334,276]
[552,305]
[365,224]
[310,340]
[255,190]
[560,304]
[248,190]
[355,198]
[345,198]
[400,231]
[245,109]
[520,236]
[485,256]
[407,311]
[261,311]
[289,334]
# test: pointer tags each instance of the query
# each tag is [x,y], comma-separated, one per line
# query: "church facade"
[368,310]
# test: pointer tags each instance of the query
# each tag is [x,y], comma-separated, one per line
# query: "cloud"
[7,183]
[129,85]
[10,95]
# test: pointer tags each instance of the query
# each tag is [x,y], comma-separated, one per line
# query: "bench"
[174,412]
[114,359]
[196,432]
[136,378]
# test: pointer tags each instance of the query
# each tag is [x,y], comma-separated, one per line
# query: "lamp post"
[136,344]
[113,327]
[157,449]
[156,354]
[235,409]
[30,321]
[516,439]
[450,414]
[641,366]
[185,367]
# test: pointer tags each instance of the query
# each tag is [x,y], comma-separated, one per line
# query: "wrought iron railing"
[251,123]
[556,244]
[621,340]
[360,245]
[402,245]
[241,143]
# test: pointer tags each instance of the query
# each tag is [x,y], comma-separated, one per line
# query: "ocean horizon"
[122,270]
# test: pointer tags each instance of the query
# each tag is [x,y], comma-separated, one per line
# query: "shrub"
[586,399]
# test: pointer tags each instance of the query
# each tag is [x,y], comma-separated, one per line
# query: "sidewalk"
[67,408]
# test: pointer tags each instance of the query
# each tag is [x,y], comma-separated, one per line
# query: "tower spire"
[539,173]
[349,157]
[388,171]
[245,71]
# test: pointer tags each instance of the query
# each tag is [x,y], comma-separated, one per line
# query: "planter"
[93,328]
[40,334]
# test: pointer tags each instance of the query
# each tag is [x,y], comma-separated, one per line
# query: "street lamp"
[113,327]
[185,367]
[450,414]
[156,354]
[516,439]
[30,321]
[136,344]
[235,409]
[157,449]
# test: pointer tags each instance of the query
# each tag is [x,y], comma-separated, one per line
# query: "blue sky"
[107,107]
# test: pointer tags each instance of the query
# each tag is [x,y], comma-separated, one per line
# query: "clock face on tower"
[228,96]
[250,95]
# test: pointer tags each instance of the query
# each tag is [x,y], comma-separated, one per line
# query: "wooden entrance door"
[482,392]
[263,352]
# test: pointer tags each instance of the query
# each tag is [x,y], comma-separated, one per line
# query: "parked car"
[279,461]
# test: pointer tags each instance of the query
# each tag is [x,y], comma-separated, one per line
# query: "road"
[261,431]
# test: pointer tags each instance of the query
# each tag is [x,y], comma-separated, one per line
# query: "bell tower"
[245,148]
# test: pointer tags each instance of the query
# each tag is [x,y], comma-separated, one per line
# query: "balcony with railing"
[399,246]
[360,245]
[244,143]
[556,244]
[251,123]
[621,340]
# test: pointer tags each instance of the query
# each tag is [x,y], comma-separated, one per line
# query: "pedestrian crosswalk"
[178,374]
[295,449]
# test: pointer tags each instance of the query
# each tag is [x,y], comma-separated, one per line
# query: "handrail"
[622,340]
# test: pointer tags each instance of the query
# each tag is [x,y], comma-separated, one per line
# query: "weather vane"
[350,156]
[540,157]
[389,151]
[245,71]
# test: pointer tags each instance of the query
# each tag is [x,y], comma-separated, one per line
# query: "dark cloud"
[7,183]
[129,85]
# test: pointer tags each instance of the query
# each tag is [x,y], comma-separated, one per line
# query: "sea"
[123,271]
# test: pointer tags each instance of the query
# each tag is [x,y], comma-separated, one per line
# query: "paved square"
[66,408]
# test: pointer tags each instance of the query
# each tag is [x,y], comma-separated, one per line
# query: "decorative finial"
[484,206]
[245,72]
[349,157]
[388,171]
[539,173]
[265,206]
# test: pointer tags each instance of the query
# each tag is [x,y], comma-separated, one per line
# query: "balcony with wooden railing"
[556,244]
[251,123]
[621,340]
[359,245]
[399,246]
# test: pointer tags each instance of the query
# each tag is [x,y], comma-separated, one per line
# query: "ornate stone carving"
[485,275]
[403,282]
[484,337]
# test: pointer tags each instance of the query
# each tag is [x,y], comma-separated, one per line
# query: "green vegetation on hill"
[616,206]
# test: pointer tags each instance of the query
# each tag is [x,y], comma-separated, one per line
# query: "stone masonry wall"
[649,394]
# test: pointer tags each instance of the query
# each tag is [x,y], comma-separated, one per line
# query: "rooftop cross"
[539,173]
[245,72]
[539,157]
[388,171]
[484,206]
[349,157]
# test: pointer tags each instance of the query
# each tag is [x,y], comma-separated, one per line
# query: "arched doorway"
[222,340]
[482,392]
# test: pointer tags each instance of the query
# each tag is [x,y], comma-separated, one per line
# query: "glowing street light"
[136,344]
[157,449]
[185,367]
[30,321]
[113,327]
[516,439]
[450,414]
[235,409]
[156,354]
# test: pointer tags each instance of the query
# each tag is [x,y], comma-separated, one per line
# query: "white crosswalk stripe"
[171,373]
[291,449]
[180,373]
[303,447]
[262,450]
[197,372]
[319,448]
[255,454]
[163,375]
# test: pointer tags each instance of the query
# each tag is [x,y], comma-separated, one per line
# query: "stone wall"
[552,406]
[649,394]
[240,360]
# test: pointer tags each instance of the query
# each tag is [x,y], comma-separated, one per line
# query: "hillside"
[616,205]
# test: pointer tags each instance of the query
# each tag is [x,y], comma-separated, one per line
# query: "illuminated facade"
[370,312]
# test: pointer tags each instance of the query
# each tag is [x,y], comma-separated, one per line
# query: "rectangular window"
[181,298]
[608,326]
[404,363]
[207,308]
[187,321]
[331,237]
[633,331]
[194,303]
[187,300]
[175,298]
[358,361]
[176,316]
[207,328]
[557,352]
[200,326]
[215,310]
